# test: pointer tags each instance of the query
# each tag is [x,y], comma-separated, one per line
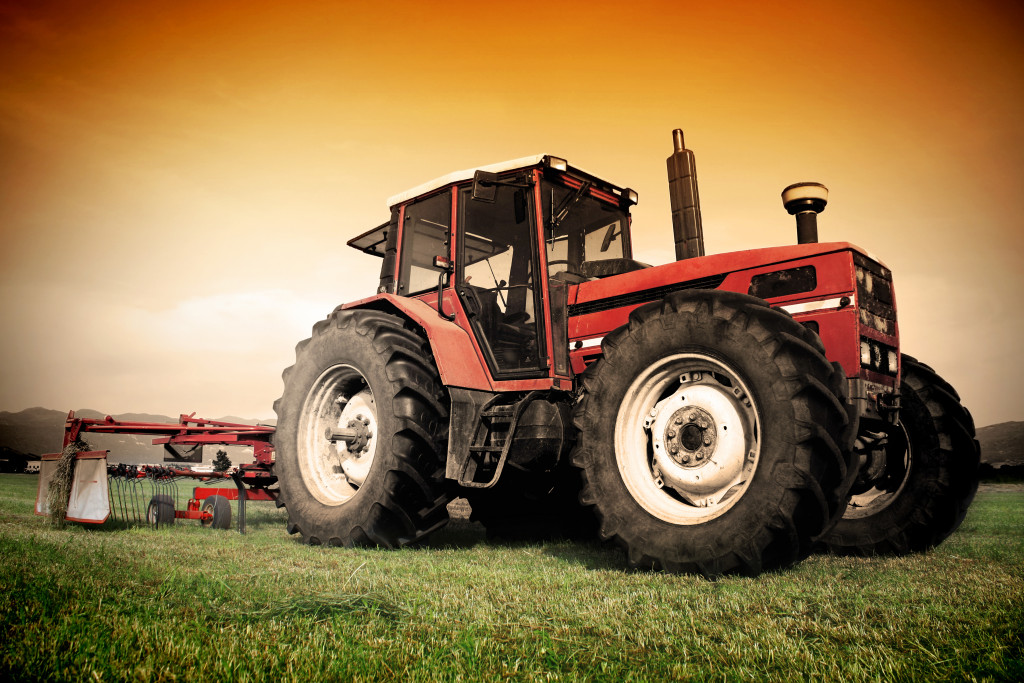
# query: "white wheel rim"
[339,399]
[687,438]
[874,500]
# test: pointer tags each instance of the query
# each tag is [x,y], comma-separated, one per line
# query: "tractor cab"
[479,237]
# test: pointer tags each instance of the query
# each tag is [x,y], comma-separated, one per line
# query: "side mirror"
[446,268]
[485,187]
[609,236]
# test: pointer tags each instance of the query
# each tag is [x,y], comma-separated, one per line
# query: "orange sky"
[179,178]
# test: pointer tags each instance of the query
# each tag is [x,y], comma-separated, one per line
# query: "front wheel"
[711,436]
[917,481]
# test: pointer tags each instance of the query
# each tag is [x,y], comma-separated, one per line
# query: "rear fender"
[457,359]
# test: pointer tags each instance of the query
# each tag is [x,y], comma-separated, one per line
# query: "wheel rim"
[207,507]
[874,499]
[334,470]
[687,438]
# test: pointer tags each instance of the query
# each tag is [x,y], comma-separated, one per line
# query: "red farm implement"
[147,493]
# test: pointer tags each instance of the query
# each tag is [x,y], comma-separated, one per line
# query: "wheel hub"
[356,455]
[357,434]
[700,438]
[691,436]
[337,435]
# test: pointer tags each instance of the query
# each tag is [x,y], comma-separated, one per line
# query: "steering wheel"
[529,278]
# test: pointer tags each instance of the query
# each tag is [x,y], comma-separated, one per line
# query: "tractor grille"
[875,301]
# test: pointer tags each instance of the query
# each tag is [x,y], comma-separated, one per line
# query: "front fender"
[457,358]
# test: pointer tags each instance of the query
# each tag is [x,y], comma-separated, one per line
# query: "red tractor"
[719,414]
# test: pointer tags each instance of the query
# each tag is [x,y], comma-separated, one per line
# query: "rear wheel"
[710,436]
[358,447]
[916,482]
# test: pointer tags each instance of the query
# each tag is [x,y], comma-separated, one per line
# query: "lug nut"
[671,433]
[699,456]
[673,449]
[678,420]
[707,440]
[686,458]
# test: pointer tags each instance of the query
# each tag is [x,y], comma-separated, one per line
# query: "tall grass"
[187,603]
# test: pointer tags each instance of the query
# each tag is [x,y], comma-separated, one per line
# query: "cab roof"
[459,176]
[374,241]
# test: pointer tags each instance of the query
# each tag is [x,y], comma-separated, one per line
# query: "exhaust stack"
[682,191]
[805,201]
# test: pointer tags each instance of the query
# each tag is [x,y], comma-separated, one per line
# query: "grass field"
[186,603]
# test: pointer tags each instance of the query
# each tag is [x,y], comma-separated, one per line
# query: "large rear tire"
[710,436]
[369,373]
[922,493]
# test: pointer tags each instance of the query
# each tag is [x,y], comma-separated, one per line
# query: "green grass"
[187,603]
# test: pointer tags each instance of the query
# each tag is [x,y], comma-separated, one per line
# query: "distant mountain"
[1002,444]
[37,431]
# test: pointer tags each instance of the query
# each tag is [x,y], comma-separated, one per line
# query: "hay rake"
[77,485]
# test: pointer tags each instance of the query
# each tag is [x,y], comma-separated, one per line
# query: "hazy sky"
[178,179]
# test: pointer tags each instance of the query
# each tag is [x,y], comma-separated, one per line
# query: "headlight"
[558,164]
[879,357]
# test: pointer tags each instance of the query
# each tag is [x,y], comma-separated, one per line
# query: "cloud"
[219,354]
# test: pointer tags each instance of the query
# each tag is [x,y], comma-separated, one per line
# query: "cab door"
[497,279]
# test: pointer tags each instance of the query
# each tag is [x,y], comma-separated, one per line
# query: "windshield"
[580,227]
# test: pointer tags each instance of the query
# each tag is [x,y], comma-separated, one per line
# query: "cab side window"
[425,234]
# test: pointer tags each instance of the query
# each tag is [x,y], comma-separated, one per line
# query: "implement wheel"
[160,510]
[710,436]
[358,441]
[914,492]
[220,508]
